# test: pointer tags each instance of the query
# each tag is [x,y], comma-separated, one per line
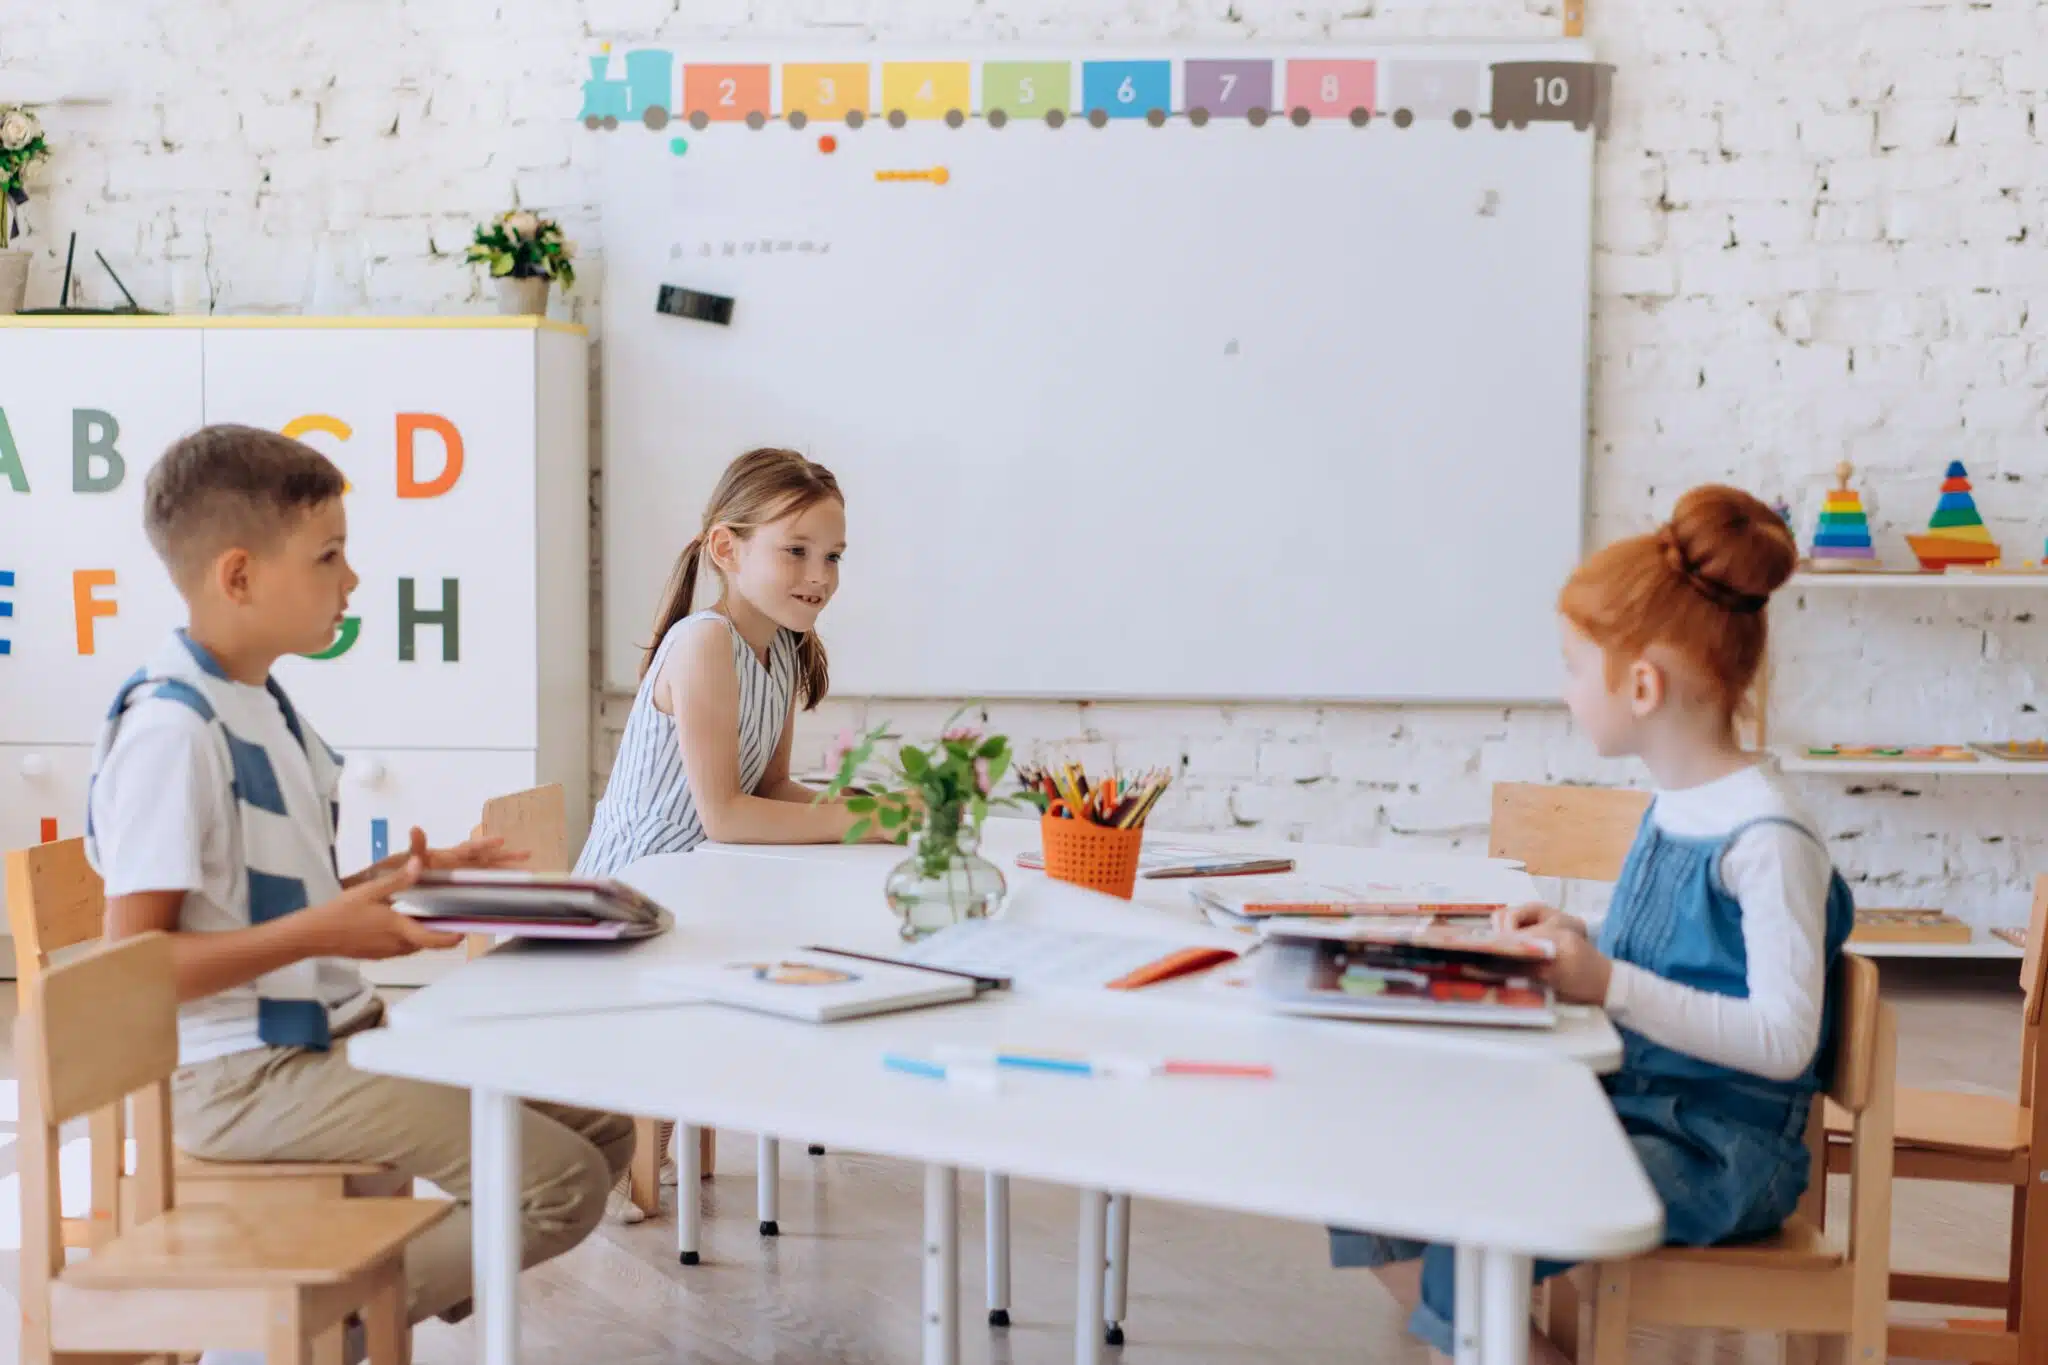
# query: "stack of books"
[531,905]
[1420,970]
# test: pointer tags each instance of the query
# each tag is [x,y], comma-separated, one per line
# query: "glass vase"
[945,882]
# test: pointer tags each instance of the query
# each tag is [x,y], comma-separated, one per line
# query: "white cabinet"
[463,669]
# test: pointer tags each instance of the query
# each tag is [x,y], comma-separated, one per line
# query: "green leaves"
[524,244]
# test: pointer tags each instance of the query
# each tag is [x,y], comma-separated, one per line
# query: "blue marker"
[973,1077]
[380,840]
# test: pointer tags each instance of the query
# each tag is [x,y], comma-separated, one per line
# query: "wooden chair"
[1580,833]
[182,1277]
[1795,1282]
[56,901]
[536,822]
[1980,1140]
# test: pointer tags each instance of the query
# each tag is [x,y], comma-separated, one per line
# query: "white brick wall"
[1821,233]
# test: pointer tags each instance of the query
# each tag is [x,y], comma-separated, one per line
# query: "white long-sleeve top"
[1780,877]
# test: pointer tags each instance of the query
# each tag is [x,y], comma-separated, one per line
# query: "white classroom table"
[1422,1116]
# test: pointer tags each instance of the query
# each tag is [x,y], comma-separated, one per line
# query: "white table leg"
[1116,1286]
[1465,1326]
[494,1211]
[768,1185]
[996,1199]
[941,1266]
[1503,1308]
[1092,1268]
[689,1198]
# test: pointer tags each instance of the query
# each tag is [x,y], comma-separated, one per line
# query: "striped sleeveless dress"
[647,807]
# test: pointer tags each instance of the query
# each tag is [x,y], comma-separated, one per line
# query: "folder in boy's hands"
[531,905]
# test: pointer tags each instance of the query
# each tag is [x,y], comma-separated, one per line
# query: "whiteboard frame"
[808,49]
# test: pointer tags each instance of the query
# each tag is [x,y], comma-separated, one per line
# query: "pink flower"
[965,734]
[981,776]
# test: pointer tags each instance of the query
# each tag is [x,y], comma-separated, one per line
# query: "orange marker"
[936,175]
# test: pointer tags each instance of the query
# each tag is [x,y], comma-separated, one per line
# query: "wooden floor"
[841,1285]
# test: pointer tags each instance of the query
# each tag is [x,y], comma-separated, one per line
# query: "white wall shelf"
[1982,948]
[1808,581]
[1792,759]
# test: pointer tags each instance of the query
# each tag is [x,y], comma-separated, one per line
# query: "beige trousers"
[290,1104]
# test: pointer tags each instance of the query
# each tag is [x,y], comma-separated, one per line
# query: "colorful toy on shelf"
[2016,750]
[1841,540]
[1891,753]
[1955,534]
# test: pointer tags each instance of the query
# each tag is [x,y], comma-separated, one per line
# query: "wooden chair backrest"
[54,901]
[1856,1007]
[2034,989]
[1580,833]
[94,1032]
[534,822]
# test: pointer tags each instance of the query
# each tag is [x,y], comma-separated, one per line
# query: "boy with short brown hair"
[212,817]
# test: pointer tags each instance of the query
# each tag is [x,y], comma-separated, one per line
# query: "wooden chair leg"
[107,1138]
[331,1346]
[2031,1274]
[1561,1314]
[644,1177]
[286,1342]
[2016,1259]
[1610,1313]
[387,1335]
[707,1152]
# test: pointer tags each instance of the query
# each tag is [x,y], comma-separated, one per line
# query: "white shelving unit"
[1983,948]
[1807,580]
[1793,759]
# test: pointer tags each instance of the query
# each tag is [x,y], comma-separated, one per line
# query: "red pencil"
[1253,1070]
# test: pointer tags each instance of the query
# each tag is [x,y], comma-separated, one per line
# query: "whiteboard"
[1132,407]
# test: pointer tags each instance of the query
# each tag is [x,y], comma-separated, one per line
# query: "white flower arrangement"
[21,146]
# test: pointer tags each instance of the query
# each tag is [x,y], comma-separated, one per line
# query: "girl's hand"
[1580,972]
[1536,915]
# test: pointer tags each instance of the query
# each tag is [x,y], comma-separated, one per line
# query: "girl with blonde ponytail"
[705,753]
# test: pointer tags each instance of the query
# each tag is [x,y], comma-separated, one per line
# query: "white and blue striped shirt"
[647,807]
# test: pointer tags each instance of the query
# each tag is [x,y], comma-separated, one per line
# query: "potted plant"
[525,253]
[933,800]
[21,146]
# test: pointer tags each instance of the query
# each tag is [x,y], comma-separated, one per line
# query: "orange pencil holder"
[1099,857]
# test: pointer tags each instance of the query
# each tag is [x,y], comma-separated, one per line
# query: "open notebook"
[1420,969]
[815,986]
[531,905]
[1057,936]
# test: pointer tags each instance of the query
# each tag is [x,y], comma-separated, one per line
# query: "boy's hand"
[474,852]
[1580,972]
[360,922]
[1536,915]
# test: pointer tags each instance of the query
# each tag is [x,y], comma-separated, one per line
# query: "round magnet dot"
[679,145]
[828,144]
